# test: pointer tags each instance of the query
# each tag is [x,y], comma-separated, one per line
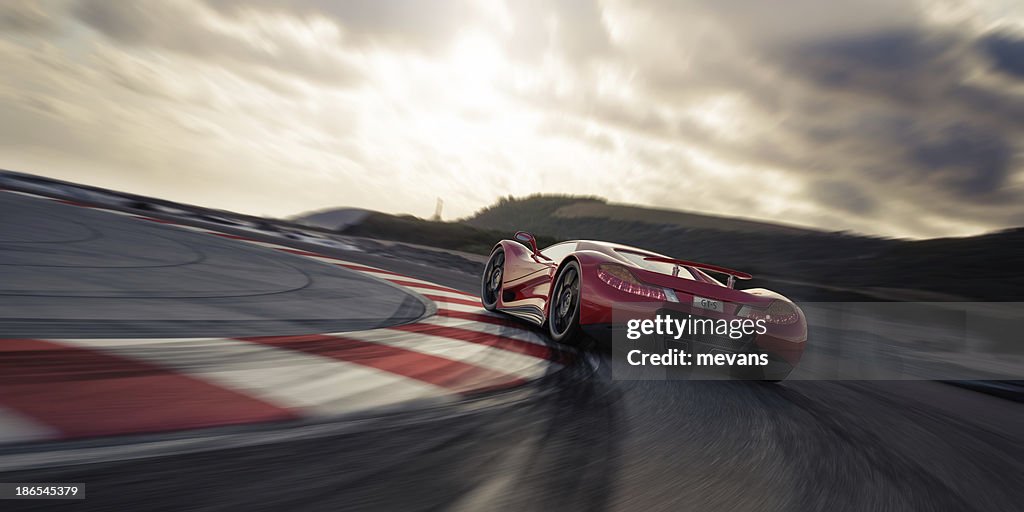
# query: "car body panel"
[528,278]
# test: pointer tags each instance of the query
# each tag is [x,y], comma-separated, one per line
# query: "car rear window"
[655,266]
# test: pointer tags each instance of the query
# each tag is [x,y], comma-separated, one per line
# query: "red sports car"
[572,288]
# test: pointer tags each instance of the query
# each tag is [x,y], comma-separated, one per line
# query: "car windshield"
[655,266]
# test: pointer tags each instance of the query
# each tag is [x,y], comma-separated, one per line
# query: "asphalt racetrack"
[72,271]
[571,440]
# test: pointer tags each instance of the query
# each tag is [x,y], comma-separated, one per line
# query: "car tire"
[564,304]
[491,279]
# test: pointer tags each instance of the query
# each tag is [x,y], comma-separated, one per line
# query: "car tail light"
[620,278]
[779,312]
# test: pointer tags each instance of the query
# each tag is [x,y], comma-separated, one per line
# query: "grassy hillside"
[758,247]
[984,266]
[547,212]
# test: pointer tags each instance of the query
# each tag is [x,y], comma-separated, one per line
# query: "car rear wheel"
[564,305]
[490,281]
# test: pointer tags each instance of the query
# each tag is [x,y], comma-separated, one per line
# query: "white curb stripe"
[507,331]
[447,294]
[288,378]
[471,309]
[17,428]
[484,356]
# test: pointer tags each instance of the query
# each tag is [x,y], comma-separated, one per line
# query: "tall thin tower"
[438,209]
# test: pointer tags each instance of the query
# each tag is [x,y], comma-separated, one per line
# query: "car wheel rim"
[566,297]
[492,277]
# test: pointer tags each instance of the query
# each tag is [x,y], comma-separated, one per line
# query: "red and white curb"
[57,389]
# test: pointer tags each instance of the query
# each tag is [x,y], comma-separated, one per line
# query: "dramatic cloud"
[1006,52]
[308,47]
[18,16]
[894,118]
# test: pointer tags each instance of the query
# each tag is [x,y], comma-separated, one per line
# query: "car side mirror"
[525,238]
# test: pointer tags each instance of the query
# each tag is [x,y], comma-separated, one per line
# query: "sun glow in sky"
[893,118]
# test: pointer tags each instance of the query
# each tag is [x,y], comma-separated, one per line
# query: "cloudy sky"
[879,116]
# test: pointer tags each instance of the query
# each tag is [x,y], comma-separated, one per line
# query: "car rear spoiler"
[733,274]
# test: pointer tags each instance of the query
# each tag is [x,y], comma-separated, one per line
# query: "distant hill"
[335,219]
[756,246]
[985,266]
[547,212]
[449,235]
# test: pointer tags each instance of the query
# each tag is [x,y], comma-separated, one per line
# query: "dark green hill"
[449,235]
[546,214]
[984,266]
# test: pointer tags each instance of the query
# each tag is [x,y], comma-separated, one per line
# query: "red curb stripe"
[439,371]
[300,252]
[493,340]
[160,221]
[72,203]
[233,237]
[84,393]
[427,286]
[450,300]
[361,268]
